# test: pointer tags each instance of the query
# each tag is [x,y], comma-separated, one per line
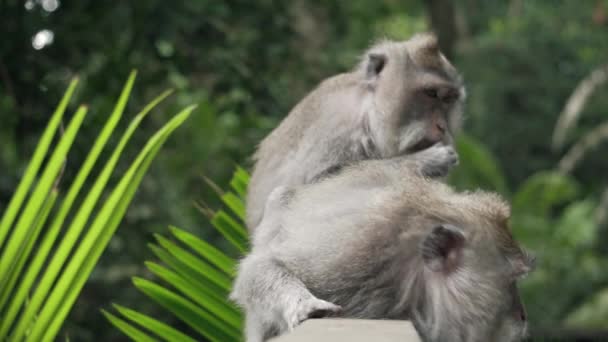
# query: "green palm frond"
[51,292]
[199,275]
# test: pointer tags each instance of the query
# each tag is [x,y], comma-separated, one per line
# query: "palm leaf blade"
[36,200]
[202,280]
[32,169]
[79,220]
[231,230]
[206,250]
[52,233]
[189,273]
[159,328]
[21,259]
[103,227]
[195,317]
[191,291]
[128,329]
[239,182]
[202,267]
[235,204]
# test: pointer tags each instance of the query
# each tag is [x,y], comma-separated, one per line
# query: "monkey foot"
[313,307]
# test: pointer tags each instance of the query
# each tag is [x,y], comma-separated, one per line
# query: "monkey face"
[417,94]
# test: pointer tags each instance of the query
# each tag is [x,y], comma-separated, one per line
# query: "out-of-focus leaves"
[576,227]
[592,313]
[478,168]
[542,191]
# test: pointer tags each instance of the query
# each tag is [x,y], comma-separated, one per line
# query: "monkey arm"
[434,162]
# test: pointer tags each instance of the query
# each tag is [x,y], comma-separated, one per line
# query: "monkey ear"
[441,249]
[375,64]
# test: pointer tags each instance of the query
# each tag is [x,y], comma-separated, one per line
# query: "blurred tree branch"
[576,103]
[7,83]
[582,146]
[443,21]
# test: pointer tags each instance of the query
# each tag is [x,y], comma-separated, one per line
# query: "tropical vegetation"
[535,131]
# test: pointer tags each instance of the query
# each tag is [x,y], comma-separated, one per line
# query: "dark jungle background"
[246,63]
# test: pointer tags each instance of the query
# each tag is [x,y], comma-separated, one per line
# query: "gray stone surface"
[351,330]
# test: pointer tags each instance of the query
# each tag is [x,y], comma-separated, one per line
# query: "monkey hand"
[437,160]
[299,310]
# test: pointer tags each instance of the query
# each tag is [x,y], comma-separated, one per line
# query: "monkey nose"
[441,126]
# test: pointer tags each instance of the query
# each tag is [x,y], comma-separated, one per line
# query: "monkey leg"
[275,301]
[270,226]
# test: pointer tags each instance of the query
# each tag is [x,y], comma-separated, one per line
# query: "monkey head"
[414,95]
[470,275]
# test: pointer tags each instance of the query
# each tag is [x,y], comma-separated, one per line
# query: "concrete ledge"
[351,330]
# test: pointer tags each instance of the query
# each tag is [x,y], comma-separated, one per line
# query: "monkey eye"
[431,92]
[445,94]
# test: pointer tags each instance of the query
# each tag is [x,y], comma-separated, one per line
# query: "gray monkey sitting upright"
[382,240]
[403,97]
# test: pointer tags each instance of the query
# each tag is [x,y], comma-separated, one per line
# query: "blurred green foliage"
[245,63]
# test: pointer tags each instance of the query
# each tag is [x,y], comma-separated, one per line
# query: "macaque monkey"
[402,98]
[382,240]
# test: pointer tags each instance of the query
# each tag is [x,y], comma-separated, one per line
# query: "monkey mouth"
[421,145]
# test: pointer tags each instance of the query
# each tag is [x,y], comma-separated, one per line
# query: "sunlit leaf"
[32,169]
[206,250]
[101,230]
[235,204]
[218,308]
[128,329]
[161,329]
[22,229]
[204,269]
[205,286]
[233,231]
[197,318]
[203,280]
[56,291]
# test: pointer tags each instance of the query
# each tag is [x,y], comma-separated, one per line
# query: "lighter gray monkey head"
[470,277]
[401,98]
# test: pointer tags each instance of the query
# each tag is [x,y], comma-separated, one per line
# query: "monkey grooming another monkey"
[402,98]
[381,240]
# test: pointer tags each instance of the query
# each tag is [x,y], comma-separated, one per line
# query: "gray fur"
[352,246]
[361,115]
